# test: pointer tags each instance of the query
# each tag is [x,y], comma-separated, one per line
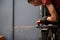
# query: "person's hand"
[38,21]
[52,19]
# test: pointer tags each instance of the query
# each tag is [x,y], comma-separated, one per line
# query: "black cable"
[43,11]
[13,21]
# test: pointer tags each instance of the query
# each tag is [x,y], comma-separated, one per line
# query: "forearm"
[52,10]
[54,16]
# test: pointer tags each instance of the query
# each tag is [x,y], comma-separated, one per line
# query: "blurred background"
[25,16]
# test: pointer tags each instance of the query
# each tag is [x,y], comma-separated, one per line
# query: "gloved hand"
[44,20]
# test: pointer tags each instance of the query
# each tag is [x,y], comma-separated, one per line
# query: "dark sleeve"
[46,1]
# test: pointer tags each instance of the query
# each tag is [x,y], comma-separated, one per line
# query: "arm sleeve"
[44,2]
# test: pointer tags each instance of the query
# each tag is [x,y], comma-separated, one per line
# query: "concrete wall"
[6,18]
